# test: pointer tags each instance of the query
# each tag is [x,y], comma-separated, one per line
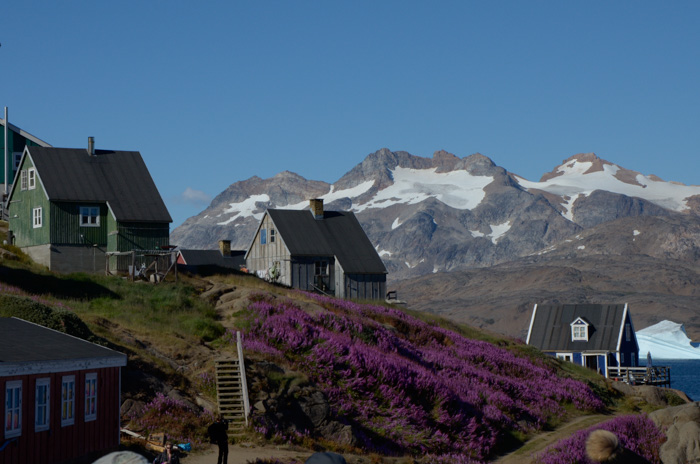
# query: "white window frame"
[37,217]
[13,409]
[86,213]
[579,330]
[67,400]
[273,234]
[90,397]
[23,179]
[565,357]
[31,178]
[44,405]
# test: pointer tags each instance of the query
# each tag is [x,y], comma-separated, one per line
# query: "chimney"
[225,247]
[91,146]
[316,206]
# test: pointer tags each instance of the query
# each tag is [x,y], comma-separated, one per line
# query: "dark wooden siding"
[66,229]
[63,444]
[304,273]
[138,236]
[365,286]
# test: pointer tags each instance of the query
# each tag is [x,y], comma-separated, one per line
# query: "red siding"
[61,444]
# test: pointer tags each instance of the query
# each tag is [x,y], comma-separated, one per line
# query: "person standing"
[218,433]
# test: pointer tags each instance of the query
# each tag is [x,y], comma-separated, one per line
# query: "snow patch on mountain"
[667,340]
[575,179]
[498,231]
[395,224]
[244,209]
[457,189]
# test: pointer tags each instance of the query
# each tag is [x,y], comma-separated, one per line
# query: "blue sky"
[215,92]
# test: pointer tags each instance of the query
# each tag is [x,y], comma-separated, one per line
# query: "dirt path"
[243,455]
[542,440]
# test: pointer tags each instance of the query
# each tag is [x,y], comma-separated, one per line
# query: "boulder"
[683,433]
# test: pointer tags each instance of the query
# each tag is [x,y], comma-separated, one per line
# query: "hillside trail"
[524,454]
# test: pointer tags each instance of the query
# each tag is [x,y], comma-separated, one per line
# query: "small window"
[633,360]
[90,397]
[42,404]
[263,236]
[18,158]
[321,268]
[23,180]
[579,330]
[272,235]
[13,409]
[622,358]
[37,217]
[89,216]
[31,175]
[67,400]
[628,332]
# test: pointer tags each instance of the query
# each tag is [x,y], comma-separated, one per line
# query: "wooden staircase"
[232,391]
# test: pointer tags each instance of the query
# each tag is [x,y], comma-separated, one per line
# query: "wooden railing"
[655,375]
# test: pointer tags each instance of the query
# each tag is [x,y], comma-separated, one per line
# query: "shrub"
[36,310]
[181,423]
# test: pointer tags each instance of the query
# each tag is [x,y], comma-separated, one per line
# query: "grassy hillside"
[403,383]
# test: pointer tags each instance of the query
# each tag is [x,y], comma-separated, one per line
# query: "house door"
[591,362]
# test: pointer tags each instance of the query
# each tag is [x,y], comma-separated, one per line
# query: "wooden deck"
[659,376]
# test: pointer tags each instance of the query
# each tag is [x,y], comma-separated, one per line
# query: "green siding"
[142,236]
[21,210]
[66,228]
[16,143]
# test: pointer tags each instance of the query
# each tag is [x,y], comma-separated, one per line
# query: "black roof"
[338,234]
[23,342]
[213,257]
[550,328]
[119,178]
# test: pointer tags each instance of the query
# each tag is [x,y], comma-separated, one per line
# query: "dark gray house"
[317,250]
[209,262]
[597,336]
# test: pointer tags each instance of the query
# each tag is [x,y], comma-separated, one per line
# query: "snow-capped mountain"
[429,215]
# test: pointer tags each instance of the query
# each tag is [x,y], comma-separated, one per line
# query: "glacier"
[666,340]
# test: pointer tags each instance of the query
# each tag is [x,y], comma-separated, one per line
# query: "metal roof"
[551,327]
[23,342]
[338,234]
[119,178]
[213,257]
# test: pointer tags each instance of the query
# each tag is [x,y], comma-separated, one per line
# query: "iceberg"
[666,340]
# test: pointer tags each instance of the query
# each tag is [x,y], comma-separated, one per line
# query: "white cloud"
[195,197]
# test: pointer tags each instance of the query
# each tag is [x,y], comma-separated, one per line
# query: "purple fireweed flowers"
[410,387]
[637,433]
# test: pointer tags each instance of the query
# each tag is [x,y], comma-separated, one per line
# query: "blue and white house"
[598,336]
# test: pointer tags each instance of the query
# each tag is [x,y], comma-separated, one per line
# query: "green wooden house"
[68,207]
[12,143]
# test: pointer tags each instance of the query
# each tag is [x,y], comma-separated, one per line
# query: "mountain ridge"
[446,214]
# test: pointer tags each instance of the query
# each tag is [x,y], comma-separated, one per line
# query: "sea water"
[685,375]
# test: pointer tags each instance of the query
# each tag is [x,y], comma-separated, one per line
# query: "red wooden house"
[61,395]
